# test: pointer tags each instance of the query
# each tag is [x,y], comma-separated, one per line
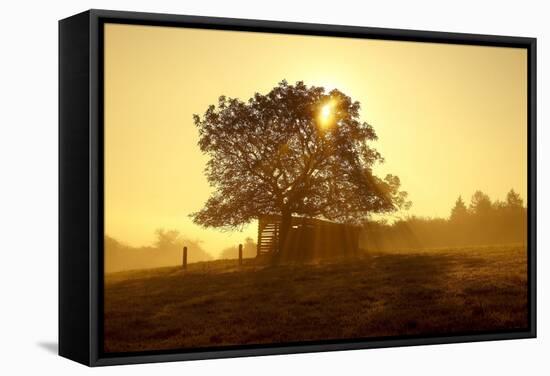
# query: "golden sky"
[451,119]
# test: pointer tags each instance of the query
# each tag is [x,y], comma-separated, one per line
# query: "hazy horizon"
[196,242]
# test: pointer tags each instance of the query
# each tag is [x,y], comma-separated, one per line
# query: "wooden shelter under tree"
[308,239]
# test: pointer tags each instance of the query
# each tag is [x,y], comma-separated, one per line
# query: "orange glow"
[451,119]
[326,115]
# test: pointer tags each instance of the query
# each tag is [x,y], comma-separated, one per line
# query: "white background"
[28,185]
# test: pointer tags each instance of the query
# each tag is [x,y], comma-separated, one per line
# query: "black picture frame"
[81,182]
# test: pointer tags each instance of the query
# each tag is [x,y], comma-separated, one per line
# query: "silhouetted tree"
[295,150]
[167,238]
[480,203]
[513,200]
[459,211]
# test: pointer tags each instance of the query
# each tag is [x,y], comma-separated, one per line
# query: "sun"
[326,114]
[326,110]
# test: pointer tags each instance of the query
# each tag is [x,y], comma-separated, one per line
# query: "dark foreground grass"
[217,303]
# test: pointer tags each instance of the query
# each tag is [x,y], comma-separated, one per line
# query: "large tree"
[296,150]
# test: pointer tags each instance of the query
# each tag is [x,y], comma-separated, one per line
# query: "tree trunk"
[286,223]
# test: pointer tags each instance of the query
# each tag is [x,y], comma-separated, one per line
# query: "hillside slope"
[218,303]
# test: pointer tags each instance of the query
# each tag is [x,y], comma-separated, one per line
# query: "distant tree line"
[482,222]
[166,251]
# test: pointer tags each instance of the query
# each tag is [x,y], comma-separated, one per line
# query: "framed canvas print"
[235,187]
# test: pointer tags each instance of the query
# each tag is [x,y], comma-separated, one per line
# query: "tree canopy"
[296,150]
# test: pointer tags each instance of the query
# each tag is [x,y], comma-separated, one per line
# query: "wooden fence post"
[184,261]
[240,254]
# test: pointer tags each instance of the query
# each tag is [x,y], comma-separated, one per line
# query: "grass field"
[217,303]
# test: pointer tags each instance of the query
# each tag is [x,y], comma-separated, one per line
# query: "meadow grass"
[218,303]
